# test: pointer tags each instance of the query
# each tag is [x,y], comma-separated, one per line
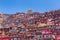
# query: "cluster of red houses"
[30,26]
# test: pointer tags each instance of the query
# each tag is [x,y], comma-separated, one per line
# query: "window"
[47,36]
[39,36]
[15,39]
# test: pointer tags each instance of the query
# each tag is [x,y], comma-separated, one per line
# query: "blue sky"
[13,6]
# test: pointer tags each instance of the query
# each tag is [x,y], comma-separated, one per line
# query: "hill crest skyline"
[32,11]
